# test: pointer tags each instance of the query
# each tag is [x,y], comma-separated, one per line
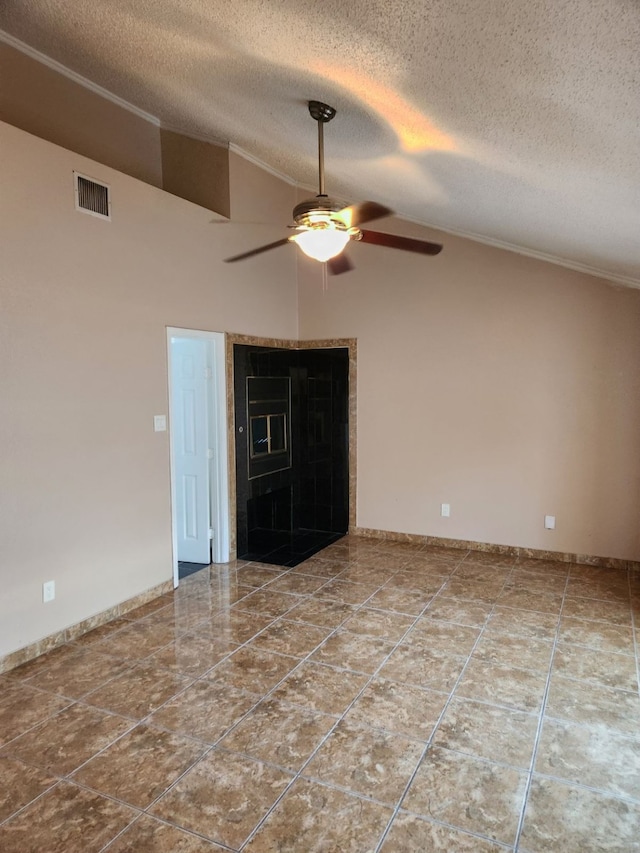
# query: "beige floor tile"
[424,583]
[599,611]
[321,688]
[21,783]
[410,834]
[498,561]
[223,797]
[525,599]
[317,819]
[474,795]
[353,651]
[192,654]
[65,819]
[594,704]
[399,601]
[148,835]
[523,652]
[460,611]
[415,665]
[290,638]
[597,635]
[140,766]
[298,584]
[28,670]
[616,593]
[268,603]
[346,592]
[257,576]
[576,820]
[321,567]
[594,756]
[472,590]
[610,669]
[536,581]
[21,707]
[378,623]
[366,761]
[522,623]
[488,731]
[139,639]
[324,614]
[98,634]
[522,689]
[381,559]
[149,607]
[138,691]
[279,733]
[358,573]
[445,637]
[80,674]
[233,626]
[205,710]
[492,575]
[399,708]
[252,669]
[64,742]
[548,566]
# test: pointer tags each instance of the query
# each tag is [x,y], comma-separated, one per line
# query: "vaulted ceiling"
[516,123]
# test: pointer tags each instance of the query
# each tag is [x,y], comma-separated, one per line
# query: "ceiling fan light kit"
[325,227]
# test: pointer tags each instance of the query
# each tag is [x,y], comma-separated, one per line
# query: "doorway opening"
[198,448]
[292,450]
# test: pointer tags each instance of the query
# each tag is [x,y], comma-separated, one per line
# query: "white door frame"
[219,470]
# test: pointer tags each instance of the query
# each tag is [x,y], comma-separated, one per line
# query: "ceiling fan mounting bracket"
[321,112]
[313,210]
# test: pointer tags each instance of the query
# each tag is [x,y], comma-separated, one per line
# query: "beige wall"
[84,306]
[505,386]
[37,99]
[196,170]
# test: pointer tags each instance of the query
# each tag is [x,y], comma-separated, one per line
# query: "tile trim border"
[489,548]
[351,344]
[52,641]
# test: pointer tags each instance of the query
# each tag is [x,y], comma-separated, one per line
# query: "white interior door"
[190,430]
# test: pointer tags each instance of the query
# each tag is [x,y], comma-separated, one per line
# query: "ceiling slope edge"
[12,41]
[7,38]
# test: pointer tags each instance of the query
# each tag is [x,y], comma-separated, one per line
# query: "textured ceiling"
[514,122]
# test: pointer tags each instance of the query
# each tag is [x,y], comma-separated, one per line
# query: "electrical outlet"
[550,522]
[445,510]
[48,591]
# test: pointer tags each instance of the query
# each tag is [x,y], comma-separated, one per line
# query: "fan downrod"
[321,112]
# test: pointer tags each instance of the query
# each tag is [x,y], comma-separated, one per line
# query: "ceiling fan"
[324,227]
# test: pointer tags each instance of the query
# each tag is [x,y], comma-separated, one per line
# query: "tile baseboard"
[46,644]
[489,548]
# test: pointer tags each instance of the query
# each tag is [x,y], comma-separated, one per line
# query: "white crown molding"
[199,137]
[626,281]
[77,78]
[261,164]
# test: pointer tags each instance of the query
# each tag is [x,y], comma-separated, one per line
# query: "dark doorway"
[292,451]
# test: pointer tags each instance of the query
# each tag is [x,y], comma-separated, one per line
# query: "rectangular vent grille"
[91,196]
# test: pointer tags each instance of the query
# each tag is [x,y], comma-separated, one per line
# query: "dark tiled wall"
[312,496]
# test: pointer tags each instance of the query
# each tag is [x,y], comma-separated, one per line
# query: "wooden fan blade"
[366,211]
[393,241]
[257,251]
[339,264]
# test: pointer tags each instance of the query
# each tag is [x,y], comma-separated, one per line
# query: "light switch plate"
[159,423]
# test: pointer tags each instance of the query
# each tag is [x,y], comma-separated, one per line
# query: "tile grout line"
[429,743]
[538,734]
[310,758]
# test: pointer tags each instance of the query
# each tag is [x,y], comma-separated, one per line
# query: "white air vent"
[91,196]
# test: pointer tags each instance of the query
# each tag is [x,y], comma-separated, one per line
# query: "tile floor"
[379,697]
